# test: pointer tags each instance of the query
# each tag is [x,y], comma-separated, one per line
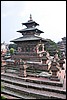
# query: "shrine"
[31,73]
[32,52]
[30,45]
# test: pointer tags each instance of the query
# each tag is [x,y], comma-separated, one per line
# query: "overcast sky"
[50,15]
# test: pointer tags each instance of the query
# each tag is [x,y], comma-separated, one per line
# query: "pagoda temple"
[30,45]
[32,73]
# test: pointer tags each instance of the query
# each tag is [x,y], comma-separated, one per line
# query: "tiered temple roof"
[30,29]
[28,39]
[30,32]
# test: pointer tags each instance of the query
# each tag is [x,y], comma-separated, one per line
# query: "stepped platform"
[9,97]
[15,95]
[38,80]
[32,87]
[33,92]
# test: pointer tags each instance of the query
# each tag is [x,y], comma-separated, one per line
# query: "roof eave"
[30,23]
[37,31]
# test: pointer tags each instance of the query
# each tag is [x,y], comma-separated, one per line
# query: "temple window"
[19,49]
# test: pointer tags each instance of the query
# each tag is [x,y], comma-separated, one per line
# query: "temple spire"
[30,17]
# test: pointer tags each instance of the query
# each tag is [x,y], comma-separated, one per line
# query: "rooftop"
[30,22]
[30,29]
[28,38]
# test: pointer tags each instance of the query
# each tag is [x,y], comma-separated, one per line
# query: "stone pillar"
[56,57]
[37,49]
[21,73]
[3,66]
[25,74]
[61,62]
[43,47]
[44,58]
[54,69]
[47,55]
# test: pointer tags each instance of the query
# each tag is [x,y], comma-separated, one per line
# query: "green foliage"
[51,47]
[12,51]
[1,87]
[2,97]
[13,46]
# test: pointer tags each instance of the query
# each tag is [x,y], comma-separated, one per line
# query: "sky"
[50,15]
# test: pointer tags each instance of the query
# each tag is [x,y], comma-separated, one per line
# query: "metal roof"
[30,29]
[29,38]
[30,22]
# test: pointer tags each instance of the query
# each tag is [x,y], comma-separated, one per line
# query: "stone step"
[38,71]
[17,95]
[32,74]
[29,72]
[9,97]
[40,74]
[14,72]
[11,71]
[39,94]
[33,80]
[12,67]
[33,85]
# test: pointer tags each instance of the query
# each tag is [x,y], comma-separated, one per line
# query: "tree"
[13,46]
[12,51]
[51,47]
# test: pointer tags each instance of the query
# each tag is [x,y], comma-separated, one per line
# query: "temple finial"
[30,17]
